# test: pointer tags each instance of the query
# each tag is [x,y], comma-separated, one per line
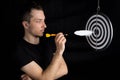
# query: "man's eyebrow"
[39,19]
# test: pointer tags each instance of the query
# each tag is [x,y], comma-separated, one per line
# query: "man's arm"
[53,71]
[63,70]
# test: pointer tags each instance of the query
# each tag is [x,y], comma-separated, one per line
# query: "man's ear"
[25,24]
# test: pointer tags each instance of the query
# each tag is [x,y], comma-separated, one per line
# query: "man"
[29,57]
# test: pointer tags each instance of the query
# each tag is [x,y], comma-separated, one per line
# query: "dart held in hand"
[52,35]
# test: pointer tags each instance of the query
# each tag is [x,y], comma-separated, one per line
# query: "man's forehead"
[38,14]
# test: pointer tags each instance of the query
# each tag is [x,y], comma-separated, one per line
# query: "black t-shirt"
[27,52]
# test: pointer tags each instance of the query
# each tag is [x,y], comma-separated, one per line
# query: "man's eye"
[38,21]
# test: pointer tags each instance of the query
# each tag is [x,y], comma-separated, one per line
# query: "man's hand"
[60,41]
[25,77]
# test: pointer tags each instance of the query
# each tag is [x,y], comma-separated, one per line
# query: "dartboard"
[102,29]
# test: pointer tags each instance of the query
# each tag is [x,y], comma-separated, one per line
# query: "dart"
[51,35]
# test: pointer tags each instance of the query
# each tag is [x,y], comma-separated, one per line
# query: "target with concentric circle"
[102,29]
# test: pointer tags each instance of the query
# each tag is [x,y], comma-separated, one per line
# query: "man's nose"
[44,25]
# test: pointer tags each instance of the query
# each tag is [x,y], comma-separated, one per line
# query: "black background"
[84,63]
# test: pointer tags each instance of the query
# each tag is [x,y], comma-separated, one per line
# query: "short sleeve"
[22,56]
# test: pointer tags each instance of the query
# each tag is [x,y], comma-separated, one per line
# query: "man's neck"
[32,40]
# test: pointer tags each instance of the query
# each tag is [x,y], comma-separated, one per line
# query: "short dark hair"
[27,10]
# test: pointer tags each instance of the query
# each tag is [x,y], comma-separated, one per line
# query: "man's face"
[37,23]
